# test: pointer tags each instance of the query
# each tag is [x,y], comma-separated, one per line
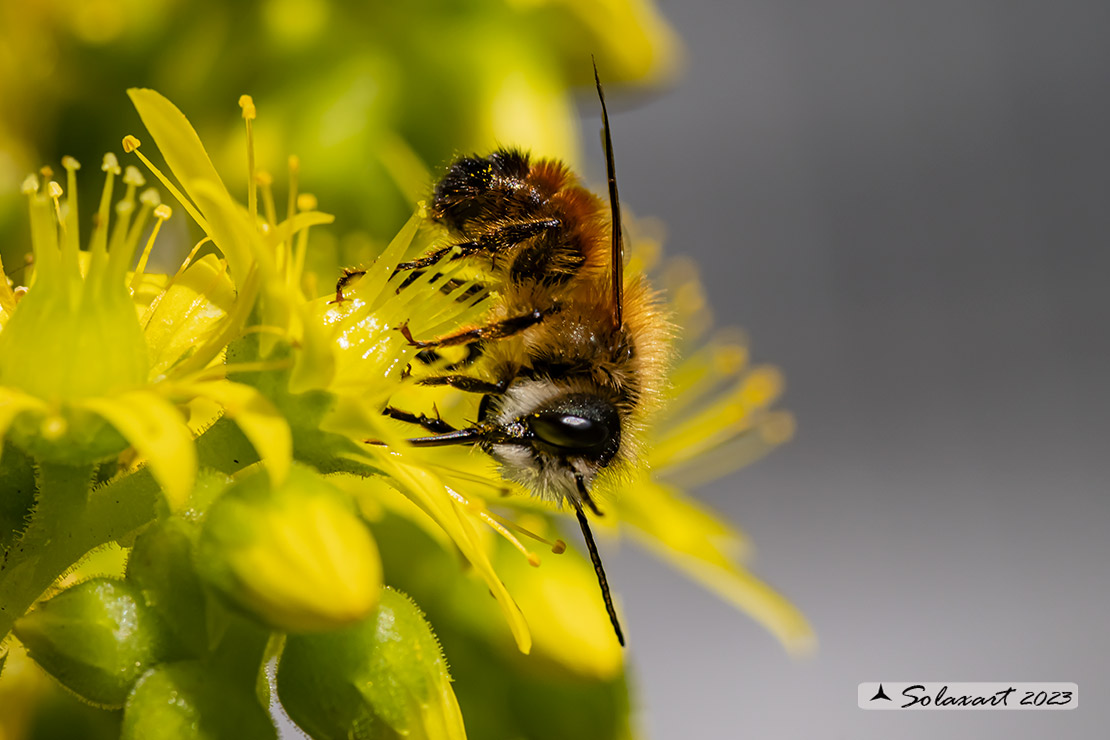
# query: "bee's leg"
[345,279]
[468,384]
[465,249]
[474,350]
[497,330]
[511,234]
[468,436]
[473,290]
[503,237]
[436,425]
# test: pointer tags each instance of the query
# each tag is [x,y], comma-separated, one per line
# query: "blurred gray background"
[907,205]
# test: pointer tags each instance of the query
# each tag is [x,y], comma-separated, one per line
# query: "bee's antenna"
[616,256]
[595,558]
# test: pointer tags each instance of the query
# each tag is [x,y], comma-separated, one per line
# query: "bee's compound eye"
[569,431]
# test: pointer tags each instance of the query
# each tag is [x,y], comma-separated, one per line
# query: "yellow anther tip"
[533,560]
[264,178]
[110,164]
[559,548]
[163,212]
[130,143]
[30,184]
[294,162]
[132,176]
[150,197]
[246,102]
[70,163]
[47,171]
[778,429]
[53,189]
[306,202]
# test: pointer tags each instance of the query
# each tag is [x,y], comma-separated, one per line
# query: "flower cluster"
[218,432]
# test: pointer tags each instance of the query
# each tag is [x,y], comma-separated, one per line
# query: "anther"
[130,144]
[70,163]
[132,176]
[246,102]
[110,164]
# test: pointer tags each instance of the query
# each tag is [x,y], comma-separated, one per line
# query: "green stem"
[66,524]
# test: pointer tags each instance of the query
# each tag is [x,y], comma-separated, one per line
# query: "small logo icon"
[880,694]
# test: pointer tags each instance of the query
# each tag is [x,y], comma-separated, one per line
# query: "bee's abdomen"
[536,220]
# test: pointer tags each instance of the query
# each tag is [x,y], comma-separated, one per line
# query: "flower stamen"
[305,202]
[246,102]
[477,508]
[558,547]
[162,214]
[131,145]
[98,245]
[70,243]
[54,190]
[266,181]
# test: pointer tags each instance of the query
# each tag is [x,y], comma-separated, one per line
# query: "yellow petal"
[678,523]
[7,297]
[428,493]
[184,153]
[188,314]
[565,611]
[157,430]
[712,564]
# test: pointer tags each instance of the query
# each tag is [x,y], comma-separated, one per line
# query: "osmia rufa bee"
[573,351]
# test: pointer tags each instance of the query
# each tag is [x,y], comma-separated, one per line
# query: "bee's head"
[555,439]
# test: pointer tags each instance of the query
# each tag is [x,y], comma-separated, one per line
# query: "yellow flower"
[93,360]
[346,358]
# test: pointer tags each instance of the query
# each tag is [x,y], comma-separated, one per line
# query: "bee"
[574,351]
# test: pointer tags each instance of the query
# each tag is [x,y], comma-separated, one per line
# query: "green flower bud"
[296,557]
[190,701]
[161,565]
[96,638]
[383,678]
